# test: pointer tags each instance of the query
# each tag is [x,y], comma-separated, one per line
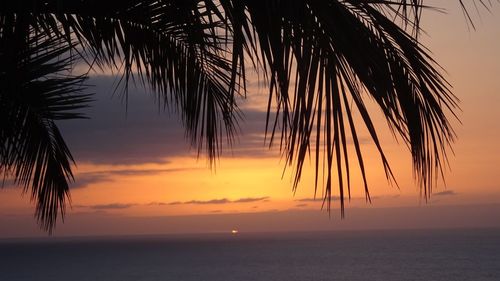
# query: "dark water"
[373,255]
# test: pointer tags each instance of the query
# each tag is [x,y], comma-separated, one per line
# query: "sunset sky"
[137,174]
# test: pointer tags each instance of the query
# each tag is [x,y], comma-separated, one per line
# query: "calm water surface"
[371,255]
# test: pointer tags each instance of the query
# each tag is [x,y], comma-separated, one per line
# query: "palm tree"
[321,59]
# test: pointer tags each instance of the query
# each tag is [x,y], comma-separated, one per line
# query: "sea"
[385,255]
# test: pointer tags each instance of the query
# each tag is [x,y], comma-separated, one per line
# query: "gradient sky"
[136,173]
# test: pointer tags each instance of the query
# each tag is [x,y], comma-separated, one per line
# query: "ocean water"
[365,255]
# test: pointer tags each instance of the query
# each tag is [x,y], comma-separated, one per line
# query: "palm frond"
[36,90]
[323,59]
[176,47]
[339,53]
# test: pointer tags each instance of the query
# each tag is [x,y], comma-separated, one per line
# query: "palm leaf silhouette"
[322,60]
[36,91]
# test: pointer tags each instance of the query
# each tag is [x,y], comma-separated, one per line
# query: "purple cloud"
[445,193]
[221,201]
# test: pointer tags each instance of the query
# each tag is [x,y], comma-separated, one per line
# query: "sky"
[137,174]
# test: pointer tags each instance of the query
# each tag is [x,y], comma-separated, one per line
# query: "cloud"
[157,204]
[377,197]
[308,200]
[445,193]
[318,199]
[145,172]
[221,201]
[110,206]
[301,205]
[175,203]
[85,179]
[213,201]
[337,198]
[249,199]
[118,133]
[142,131]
